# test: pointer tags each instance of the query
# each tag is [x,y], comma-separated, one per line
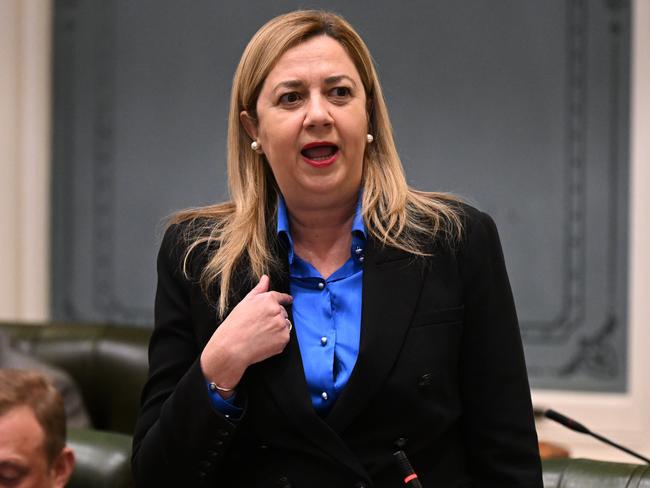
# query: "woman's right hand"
[256,329]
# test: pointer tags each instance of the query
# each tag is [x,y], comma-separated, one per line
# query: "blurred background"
[113,116]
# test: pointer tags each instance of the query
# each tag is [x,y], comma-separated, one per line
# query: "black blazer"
[440,364]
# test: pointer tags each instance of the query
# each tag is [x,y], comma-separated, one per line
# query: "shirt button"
[358,250]
[324,395]
[321,285]
[361,258]
[323,341]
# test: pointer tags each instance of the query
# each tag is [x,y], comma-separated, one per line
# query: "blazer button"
[425,381]
[400,442]
[283,482]
[213,454]
[360,484]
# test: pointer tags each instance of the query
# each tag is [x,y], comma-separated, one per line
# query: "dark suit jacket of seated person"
[329,314]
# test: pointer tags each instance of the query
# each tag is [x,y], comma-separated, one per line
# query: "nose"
[317,112]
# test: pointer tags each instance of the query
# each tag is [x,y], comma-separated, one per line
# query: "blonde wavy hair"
[241,228]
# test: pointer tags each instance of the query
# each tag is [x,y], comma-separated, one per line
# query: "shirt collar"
[358,229]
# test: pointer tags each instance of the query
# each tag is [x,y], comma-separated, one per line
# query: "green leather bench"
[103,459]
[579,473]
[110,366]
[108,362]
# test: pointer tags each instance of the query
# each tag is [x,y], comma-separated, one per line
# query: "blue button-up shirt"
[326,314]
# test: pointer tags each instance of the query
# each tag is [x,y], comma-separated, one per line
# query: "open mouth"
[319,153]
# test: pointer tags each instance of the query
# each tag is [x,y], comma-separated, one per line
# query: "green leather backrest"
[103,459]
[109,363]
[586,473]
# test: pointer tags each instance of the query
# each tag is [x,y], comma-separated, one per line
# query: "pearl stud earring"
[255,145]
[369,138]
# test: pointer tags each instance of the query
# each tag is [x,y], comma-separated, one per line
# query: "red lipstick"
[319,154]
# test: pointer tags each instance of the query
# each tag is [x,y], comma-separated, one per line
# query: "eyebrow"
[330,80]
[288,84]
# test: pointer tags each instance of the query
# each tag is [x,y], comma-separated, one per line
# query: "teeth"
[319,153]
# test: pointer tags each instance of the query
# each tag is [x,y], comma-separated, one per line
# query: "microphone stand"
[578,427]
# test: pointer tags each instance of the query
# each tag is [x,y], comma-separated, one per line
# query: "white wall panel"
[25,54]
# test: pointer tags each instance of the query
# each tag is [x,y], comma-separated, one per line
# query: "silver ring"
[289,325]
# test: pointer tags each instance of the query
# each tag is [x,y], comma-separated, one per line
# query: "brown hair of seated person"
[32,432]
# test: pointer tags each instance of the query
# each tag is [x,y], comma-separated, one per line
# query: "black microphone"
[578,427]
[410,478]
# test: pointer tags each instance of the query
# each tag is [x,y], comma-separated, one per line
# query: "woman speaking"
[328,315]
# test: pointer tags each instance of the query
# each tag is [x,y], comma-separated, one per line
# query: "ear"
[249,123]
[63,467]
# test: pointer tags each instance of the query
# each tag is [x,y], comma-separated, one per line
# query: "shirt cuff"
[225,406]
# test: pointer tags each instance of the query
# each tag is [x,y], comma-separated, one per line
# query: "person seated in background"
[32,432]
[75,409]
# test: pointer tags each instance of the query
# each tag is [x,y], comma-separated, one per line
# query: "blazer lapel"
[391,289]
[284,375]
